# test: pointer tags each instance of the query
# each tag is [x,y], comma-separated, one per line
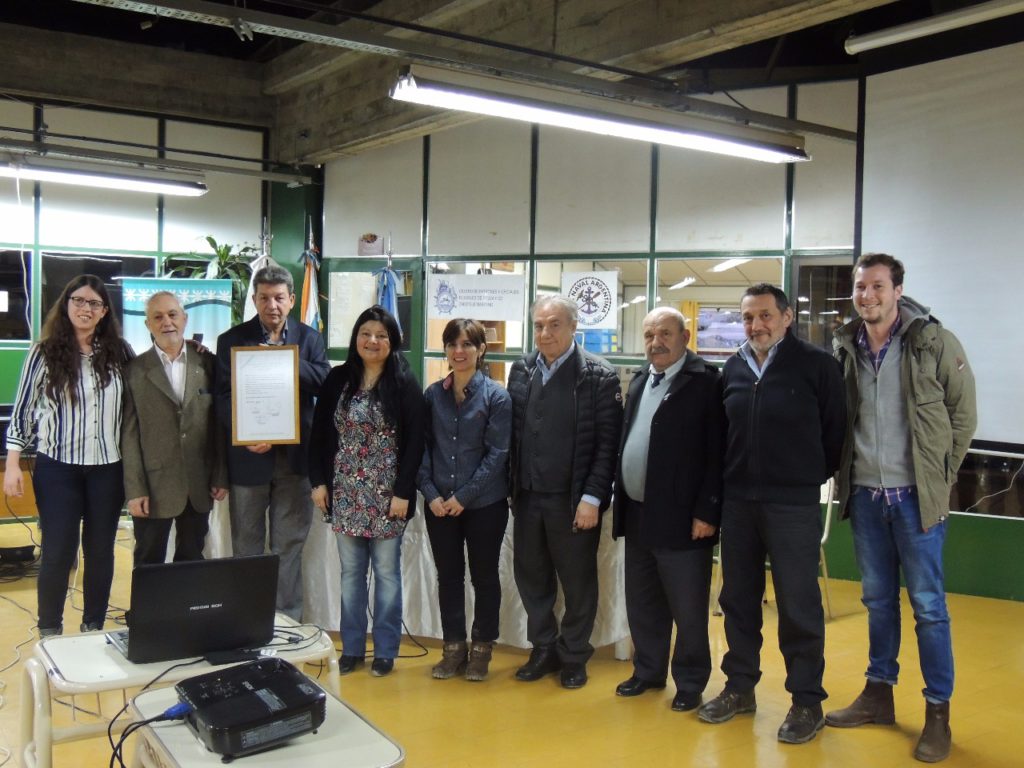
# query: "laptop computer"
[192,608]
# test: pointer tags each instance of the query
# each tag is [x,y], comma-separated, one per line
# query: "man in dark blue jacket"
[270,483]
[786,420]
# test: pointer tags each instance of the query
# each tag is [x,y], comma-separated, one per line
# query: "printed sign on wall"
[481,297]
[596,295]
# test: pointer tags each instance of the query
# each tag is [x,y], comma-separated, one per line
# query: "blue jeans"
[888,537]
[356,555]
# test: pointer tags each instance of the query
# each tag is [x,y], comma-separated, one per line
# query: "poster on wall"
[481,297]
[596,295]
[207,303]
[350,293]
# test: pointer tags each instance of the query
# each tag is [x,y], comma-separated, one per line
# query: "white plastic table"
[74,665]
[346,739]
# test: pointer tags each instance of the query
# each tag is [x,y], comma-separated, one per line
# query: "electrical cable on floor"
[412,638]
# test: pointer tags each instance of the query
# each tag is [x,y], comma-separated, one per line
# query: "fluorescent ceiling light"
[531,103]
[728,264]
[84,175]
[802,298]
[944,22]
[683,283]
[638,299]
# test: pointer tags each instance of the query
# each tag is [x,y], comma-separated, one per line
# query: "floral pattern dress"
[365,468]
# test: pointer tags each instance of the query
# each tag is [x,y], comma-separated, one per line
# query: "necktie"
[656,379]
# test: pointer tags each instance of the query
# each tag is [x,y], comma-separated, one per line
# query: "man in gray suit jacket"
[173,452]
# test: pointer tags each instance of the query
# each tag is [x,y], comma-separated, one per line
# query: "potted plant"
[229,262]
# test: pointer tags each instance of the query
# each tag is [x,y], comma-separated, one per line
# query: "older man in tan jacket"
[173,452]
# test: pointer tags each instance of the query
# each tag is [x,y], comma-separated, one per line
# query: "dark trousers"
[73,498]
[478,532]
[547,552]
[152,534]
[665,586]
[790,536]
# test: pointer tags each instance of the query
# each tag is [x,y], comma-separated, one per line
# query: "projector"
[252,707]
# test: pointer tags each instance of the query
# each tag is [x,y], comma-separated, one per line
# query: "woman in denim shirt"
[464,482]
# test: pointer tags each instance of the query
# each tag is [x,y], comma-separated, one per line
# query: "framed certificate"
[265,395]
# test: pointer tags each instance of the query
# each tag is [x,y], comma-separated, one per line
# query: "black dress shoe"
[635,686]
[684,701]
[348,664]
[543,661]
[382,667]
[574,675]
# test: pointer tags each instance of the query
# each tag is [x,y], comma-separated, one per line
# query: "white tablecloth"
[419,581]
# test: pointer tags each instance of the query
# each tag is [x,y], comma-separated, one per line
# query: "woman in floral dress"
[365,448]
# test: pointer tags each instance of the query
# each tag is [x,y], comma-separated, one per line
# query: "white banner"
[480,297]
[596,294]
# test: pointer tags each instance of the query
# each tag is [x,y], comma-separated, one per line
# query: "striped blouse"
[87,432]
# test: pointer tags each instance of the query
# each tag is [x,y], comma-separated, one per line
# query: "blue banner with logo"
[206,302]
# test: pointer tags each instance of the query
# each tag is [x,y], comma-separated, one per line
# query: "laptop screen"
[191,608]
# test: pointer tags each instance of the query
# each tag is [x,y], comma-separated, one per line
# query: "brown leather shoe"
[936,738]
[453,660]
[479,661]
[873,705]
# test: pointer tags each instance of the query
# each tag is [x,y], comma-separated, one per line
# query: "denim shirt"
[466,454]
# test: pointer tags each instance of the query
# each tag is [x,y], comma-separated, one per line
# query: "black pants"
[665,586]
[73,497]
[152,534]
[479,532]
[547,552]
[790,536]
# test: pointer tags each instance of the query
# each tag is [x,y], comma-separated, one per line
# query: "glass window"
[708,292]
[59,268]
[15,316]
[989,483]
[612,295]
[822,302]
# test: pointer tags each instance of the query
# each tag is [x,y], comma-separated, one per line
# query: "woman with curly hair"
[69,402]
[364,451]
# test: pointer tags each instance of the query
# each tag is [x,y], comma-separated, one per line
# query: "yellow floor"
[506,723]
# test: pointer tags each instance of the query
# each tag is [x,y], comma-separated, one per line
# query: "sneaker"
[50,631]
[726,705]
[93,626]
[381,667]
[348,664]
[801,724]
[479,661]
[453,660]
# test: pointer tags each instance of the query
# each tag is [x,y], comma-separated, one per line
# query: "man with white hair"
[567,411]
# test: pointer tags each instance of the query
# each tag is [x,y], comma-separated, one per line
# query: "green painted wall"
[10,371]
[982,556]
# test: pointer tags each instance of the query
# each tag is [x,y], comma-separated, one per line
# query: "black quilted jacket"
[598,399]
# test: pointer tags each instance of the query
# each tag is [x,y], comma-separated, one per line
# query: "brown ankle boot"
[936,737]
[874,705]
[479,660]
[453,660]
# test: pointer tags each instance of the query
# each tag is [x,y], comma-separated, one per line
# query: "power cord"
[110,726]
[178,712]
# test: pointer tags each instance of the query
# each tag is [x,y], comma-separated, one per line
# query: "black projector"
[251,707]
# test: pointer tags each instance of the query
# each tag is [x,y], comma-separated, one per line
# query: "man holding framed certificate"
[269,369]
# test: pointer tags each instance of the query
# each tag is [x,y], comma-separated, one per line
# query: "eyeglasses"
[92,304]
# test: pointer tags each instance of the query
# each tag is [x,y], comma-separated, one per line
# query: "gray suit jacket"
[172,452]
